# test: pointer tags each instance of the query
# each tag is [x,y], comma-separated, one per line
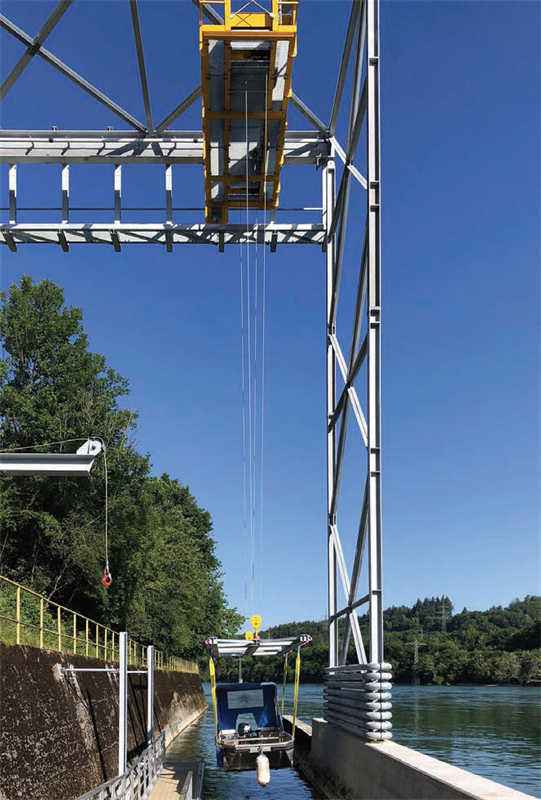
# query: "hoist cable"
[106,506]
[243,391]
[263,319]
[45,444]
[255,308]
[249,343]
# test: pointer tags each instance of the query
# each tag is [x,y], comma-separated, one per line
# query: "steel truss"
[146,142]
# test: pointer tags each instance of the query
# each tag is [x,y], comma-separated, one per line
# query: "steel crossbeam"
[168,234]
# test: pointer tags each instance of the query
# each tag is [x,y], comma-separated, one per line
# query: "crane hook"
[106,578]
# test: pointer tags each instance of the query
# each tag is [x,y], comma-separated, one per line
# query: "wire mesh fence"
[30,618]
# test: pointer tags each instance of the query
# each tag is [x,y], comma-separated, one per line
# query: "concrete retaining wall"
[342,766]
[58,732]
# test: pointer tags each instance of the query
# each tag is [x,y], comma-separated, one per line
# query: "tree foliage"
[501,645]
[167,585]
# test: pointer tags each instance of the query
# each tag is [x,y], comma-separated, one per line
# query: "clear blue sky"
[461,143]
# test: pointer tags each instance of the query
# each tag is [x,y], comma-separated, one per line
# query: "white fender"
[262,767]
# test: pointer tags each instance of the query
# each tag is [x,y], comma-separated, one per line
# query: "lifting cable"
[263,317]
[106,578]
[251,449]
[244,409]
[253,289]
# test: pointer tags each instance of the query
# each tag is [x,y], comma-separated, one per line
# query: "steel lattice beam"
[362,50]
[168,234]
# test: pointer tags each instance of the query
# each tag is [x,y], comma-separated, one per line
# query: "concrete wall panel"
[58,733]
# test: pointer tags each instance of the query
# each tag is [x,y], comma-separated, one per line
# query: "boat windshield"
[252,704]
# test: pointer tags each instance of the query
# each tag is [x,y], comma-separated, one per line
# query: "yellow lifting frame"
[236,27]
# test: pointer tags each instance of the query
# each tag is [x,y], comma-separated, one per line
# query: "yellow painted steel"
[296,689]
[248,23]
[212,673]
[27,617]
[284,684]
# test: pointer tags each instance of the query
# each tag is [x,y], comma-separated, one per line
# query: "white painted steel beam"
[374,335]
[98,147]
[328,202]
[76,465]
[118,234]
[81,82]
[238,648]
[49,25]
[141,62]
[150,692]
[122,702]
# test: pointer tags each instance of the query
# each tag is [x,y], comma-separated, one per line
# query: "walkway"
[179,779]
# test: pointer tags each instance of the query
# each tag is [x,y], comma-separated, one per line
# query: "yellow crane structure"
[246,67]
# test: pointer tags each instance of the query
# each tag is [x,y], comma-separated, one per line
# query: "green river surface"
[494,731]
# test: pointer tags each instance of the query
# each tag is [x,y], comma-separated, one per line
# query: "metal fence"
[358,699]
[27,617]
[138,781]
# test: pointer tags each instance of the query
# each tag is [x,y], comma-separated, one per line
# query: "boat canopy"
[239,648]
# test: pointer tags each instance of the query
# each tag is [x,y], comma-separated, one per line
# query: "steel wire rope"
[244,408]
[249,342]
[255,307]
[263,322]
[45,444]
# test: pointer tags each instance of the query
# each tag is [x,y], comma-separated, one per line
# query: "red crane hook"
[106,578]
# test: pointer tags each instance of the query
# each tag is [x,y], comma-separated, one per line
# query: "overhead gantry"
[259,38]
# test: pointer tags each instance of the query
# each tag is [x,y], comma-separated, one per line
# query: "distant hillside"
[501,645]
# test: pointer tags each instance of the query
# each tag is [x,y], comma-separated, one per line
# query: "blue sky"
[460,117]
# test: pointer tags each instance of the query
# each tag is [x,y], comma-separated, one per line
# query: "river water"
[494,731]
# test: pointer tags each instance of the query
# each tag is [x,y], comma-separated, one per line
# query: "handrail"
[137,782]
[51,626]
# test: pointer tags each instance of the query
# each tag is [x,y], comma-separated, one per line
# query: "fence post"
[87,641]
[41,623]
[18,614]
[74,632]
[122,702]
[150,693]
[59,628]
[97,640]
[105,645]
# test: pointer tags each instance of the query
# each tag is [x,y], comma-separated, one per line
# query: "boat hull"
[244,758]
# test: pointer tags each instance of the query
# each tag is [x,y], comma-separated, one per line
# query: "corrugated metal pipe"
[358,699]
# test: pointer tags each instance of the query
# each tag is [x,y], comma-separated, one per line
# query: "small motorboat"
[247,716]
[249,723]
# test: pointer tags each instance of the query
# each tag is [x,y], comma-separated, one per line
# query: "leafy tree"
[167,584]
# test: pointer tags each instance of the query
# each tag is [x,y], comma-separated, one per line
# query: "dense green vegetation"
[500,645]
[167,587]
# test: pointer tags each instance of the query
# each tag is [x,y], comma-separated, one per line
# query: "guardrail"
[137,782]
[27,617]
